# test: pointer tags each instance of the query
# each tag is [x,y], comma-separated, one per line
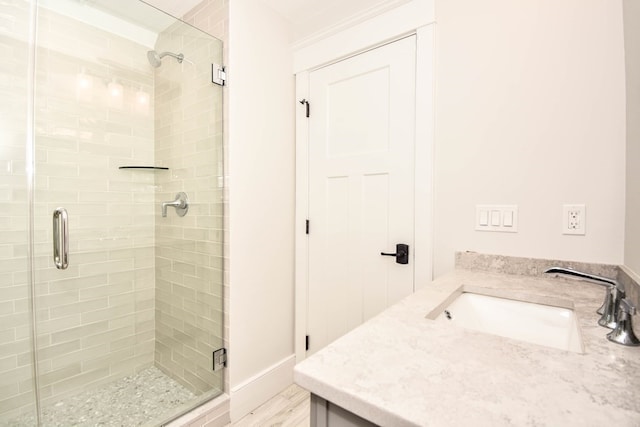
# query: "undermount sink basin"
[532,322]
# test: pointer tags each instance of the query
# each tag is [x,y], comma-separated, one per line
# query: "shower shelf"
[145,167]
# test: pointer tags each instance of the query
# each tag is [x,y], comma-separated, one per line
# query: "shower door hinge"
[218,74]
[219,359]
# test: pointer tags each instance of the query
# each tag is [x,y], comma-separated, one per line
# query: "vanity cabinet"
[327,414]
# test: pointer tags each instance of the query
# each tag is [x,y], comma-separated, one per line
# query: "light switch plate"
[502,218]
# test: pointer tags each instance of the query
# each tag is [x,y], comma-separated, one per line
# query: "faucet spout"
[575,274]
[610,309]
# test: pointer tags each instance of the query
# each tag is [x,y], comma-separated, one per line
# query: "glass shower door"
[95,314]
[126,117]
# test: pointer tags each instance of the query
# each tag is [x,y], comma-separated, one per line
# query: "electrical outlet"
[574,219]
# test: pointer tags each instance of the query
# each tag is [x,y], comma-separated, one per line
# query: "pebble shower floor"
[130,401]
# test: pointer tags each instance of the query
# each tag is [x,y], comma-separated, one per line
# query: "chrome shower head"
[155,58]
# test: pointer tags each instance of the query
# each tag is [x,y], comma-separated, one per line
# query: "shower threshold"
[135,400]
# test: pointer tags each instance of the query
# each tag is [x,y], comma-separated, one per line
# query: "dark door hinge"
[306,342]
[306,104]
[306,227]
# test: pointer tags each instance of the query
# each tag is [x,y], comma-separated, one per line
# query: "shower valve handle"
[181,203]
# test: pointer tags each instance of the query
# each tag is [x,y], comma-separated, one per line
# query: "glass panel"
[17,398]
[126,332]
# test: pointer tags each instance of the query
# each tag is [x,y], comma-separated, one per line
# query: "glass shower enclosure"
[111,231]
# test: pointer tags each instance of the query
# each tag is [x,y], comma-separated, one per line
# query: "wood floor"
[290,408]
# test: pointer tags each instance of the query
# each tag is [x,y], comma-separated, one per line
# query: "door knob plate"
[402,253]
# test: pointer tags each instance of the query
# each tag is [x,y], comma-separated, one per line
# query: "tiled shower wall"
[16,386]
[95,319]
[212,16]
[189,249]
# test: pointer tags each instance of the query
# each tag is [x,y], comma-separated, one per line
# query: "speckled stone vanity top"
[402,369]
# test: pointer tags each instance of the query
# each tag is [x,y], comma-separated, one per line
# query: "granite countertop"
[402,369]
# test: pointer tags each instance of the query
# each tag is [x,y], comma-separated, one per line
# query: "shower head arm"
[179,57]
[155,58]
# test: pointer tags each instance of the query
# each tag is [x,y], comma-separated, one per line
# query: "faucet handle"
[610,310]
[627,307]
[623,332]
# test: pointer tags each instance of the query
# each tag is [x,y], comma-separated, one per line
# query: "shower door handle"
[61,238]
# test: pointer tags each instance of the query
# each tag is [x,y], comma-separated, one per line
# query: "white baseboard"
[255,391]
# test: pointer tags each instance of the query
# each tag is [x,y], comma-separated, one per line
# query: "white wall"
[530,111]
[632,62]
[261,203]
[530,90]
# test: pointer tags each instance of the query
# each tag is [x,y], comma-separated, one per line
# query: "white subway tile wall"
[188,264]
[95,101]
[212,16]
[95,320]
[16,380]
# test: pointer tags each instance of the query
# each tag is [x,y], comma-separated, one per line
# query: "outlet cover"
[574,219]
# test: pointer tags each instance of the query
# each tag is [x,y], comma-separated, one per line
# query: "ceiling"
[311,16]
[307,17]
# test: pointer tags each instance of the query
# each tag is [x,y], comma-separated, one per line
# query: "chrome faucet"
[623,332]
[616,310]
[615,293]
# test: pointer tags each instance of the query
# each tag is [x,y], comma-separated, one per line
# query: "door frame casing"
[423,179]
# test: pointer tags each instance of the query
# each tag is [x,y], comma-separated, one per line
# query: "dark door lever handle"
[402,253]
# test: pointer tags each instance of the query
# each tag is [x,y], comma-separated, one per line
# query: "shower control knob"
[181,204]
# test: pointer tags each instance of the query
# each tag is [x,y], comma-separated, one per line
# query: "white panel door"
[361,189]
